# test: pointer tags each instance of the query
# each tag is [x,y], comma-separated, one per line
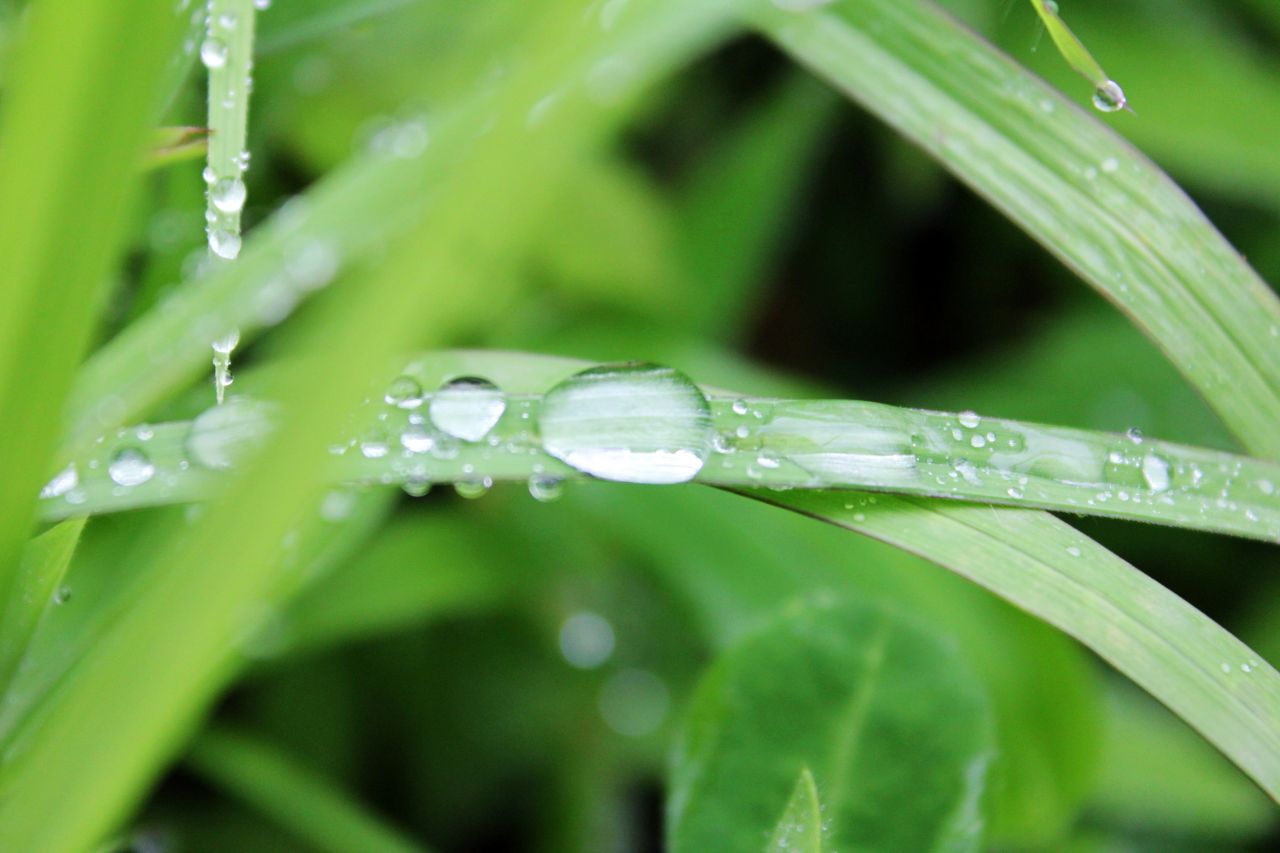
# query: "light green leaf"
[44,564]
[894,727]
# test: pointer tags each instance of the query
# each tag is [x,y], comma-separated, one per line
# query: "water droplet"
[473,489]
[586,639]
[1134,434]
[1110,165]
[262,5]
[978,441]
[404,392]
[416,439]
[633,423]
[62,482]
[1109,97]
[213,53]
[374,449]
[1073,551]
[416,487]
[130,467]
[467,408]
[969,420]
[228,195]
[224,244]
[1155,470]
[62,594]
[545,488]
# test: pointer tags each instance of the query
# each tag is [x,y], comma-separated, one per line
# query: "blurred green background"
[501,675]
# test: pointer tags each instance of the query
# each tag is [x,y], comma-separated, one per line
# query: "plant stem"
[227,52]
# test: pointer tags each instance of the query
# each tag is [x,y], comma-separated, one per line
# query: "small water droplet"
[224,243]
[1155,470]
[1109,97]
[1074,551]
[416,487]
[213,53]
[473,489]
[228,195]
[970,420]
[404,392]
[467,408]
[262,5]
[130,467]
[545,488]
[634,423]
[1110,165]
[416,439]
[62,594]
[62,482]
[1134,434]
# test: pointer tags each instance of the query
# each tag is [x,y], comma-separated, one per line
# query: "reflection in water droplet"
[545,488]
[634,423]
[130,467]
[467,408]
[404,392]
[1109,97]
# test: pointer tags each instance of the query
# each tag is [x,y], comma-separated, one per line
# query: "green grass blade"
[44,563]
[1074,185]
[800,827]
[1042,565]
[1076,54]
[311,808]
[83,90]
[819,444]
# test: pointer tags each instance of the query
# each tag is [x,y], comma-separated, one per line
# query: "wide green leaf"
[893,727]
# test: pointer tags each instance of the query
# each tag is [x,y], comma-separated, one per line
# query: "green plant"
[891,704]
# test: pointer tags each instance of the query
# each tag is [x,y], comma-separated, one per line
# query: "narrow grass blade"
[1073,184]
[1166,646]
[264,778]
[83,90]
[1107,94]
[799,830]
[44,563]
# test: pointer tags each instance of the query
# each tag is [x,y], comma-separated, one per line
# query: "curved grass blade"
[1166,646]
[1070,182]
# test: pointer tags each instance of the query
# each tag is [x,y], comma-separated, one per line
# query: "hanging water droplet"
[416,487]
[404,392]
[634,423]
[213,53]
[130,467]
[545,488]
[224,244]
[467,408]
[62,482]
[1109,97]
[228,195]
[473,489]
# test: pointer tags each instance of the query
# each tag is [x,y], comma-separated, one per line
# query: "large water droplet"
[228,195]
[213,53]
[130,467]
[1155,470]
[467,408]
[404,392]
[1109,97]
[634,423]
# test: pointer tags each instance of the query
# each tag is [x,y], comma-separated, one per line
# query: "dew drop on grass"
[213,53]
[130,467]
[633,423]
[969,420]
[467,408]
[416,487]
[416,439]
[228,195]
[62,482]
[224,244]
[1109,97]
[404,392]
[545,488]
[262,5]
[1155,471]
[473,489]
[62,594]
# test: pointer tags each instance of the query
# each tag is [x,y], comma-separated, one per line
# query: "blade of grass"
[84,88]
[817,444]
[311,808]
[1042,565]
[1070,182]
